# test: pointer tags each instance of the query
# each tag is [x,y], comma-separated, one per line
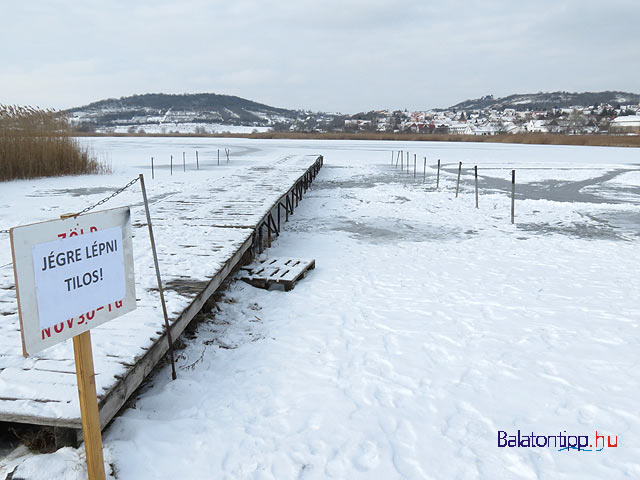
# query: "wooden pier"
[222,228]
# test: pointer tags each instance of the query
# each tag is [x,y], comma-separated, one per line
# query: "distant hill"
[548,100]
[203,113]
[166,109]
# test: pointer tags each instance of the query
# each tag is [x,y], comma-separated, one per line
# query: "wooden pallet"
[277,271]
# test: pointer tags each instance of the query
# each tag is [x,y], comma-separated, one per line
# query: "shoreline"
[631,141]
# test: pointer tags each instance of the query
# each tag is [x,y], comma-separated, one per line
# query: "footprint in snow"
[367,457]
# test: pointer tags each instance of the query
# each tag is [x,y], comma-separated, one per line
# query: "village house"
[536,126]
[460,129]
[488,129]
[629,124]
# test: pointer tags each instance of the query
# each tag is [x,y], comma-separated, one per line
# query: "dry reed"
[525,138]
[38,143]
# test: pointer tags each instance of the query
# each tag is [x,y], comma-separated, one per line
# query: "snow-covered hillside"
[549,100]
[188,113]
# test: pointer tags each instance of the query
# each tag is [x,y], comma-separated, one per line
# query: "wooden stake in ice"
[171,165]
[424,171]
[513,196]
[152,174]
[218,156]
[197,161]
[458,182]
[415,161]
[438,176]
[184,163]
[475,168]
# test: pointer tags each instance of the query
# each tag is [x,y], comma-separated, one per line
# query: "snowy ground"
[426,327]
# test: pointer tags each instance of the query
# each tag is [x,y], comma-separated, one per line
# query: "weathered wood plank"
[277,271]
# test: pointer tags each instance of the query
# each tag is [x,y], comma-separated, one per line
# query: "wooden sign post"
[71,275]
[88,398]
[89,405]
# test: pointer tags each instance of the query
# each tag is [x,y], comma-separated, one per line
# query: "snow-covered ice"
[426,327]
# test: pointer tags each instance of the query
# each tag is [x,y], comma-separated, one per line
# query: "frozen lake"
[427,328]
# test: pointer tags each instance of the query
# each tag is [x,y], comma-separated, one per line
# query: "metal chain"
[104,200]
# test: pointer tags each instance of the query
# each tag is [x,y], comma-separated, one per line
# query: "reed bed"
[38,143]
[525,138]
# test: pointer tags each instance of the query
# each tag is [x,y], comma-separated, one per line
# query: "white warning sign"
[77,274]
[72,275]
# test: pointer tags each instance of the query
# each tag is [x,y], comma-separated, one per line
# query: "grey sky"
[331,55]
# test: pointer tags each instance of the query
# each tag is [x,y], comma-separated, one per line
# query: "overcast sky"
[329,55]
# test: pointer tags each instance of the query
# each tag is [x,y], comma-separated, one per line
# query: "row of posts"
[288,203]
[400,161]
[184,162]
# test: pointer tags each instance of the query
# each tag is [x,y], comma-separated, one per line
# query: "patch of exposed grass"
[38,143]
[36,438]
